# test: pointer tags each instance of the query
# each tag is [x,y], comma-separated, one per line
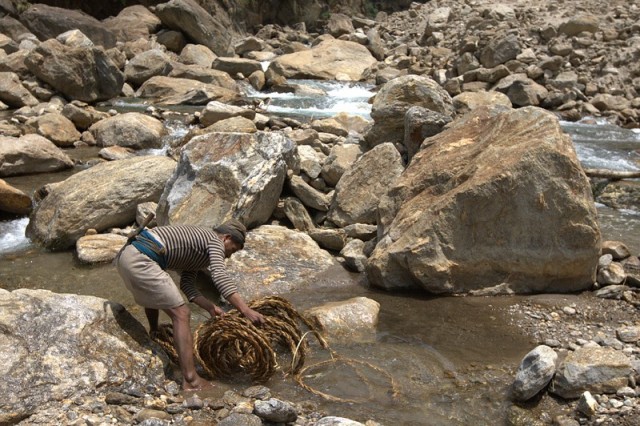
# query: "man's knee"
[180,313]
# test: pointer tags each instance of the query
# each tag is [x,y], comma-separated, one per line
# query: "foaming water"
[601,145]
[12,237]
[318,99]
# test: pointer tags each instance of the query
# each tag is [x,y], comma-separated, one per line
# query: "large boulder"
[145,65]
[220,175]
[350,320]
[102,197]
[297,264]
[133,23]
[204,75]
[188,16]
[498,200]
[394,99]
[14,201]
[593,369]
[329,60]
[79,73]
[13,93]
[130,130]
[57,128]
[31,154]
[359,190]
[56,347]
[176,91]
[47,22]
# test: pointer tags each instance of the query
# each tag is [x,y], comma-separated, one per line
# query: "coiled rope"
[232,344]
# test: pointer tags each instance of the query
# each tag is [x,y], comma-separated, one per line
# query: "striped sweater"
[190,249]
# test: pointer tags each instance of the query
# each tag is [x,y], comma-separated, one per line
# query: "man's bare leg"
[180,317]
[152,317]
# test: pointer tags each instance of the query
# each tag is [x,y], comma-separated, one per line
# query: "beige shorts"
[151,286]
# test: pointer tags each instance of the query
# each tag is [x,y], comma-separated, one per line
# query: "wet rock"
[68,211]
[353,319]
[360,188]
[216,111]
[534,373]
[31,154]
[275,410]
[220,175]
[130,130]
[418,238]
[14,201]
[176,91]
[147,414]
[100,248]
[80,73]
[594,369]
[257,392]
[259,270]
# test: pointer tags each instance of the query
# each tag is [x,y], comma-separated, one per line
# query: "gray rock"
[216,111]
[500,50]
[297,214]
[176,91]
[57,128]
[353,319]
[31,154]
[394,99]
[145,65]
[534,373]
[275,410]
[197,54]
[220,175]
[298,263]
[99,248]
[309,196]
[69,210]
[130,130]
[419,124]
[330,239]
[444,202]
[353,254]
[80,73]
[597,370]
[235,66]
[337,421]
[13,93]
[237,419]
[214,30]
[340,159]
[133,23]
[360,189]
[61,339]
[47,22]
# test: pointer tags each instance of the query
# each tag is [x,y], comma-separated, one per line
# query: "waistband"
[146,244]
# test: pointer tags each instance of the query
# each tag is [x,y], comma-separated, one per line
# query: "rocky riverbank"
[447,189]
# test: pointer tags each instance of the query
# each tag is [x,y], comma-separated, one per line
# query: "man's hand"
[216,311]
[255,317]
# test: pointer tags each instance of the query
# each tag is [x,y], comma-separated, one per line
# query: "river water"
[451,358]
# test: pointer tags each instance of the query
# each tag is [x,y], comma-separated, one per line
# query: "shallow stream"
[452,358]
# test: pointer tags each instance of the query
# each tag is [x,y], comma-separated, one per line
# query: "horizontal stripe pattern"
[191,249]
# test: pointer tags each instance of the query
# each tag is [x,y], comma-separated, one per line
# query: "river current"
[451,358]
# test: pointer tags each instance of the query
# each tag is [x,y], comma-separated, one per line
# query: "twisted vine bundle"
[232,344]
